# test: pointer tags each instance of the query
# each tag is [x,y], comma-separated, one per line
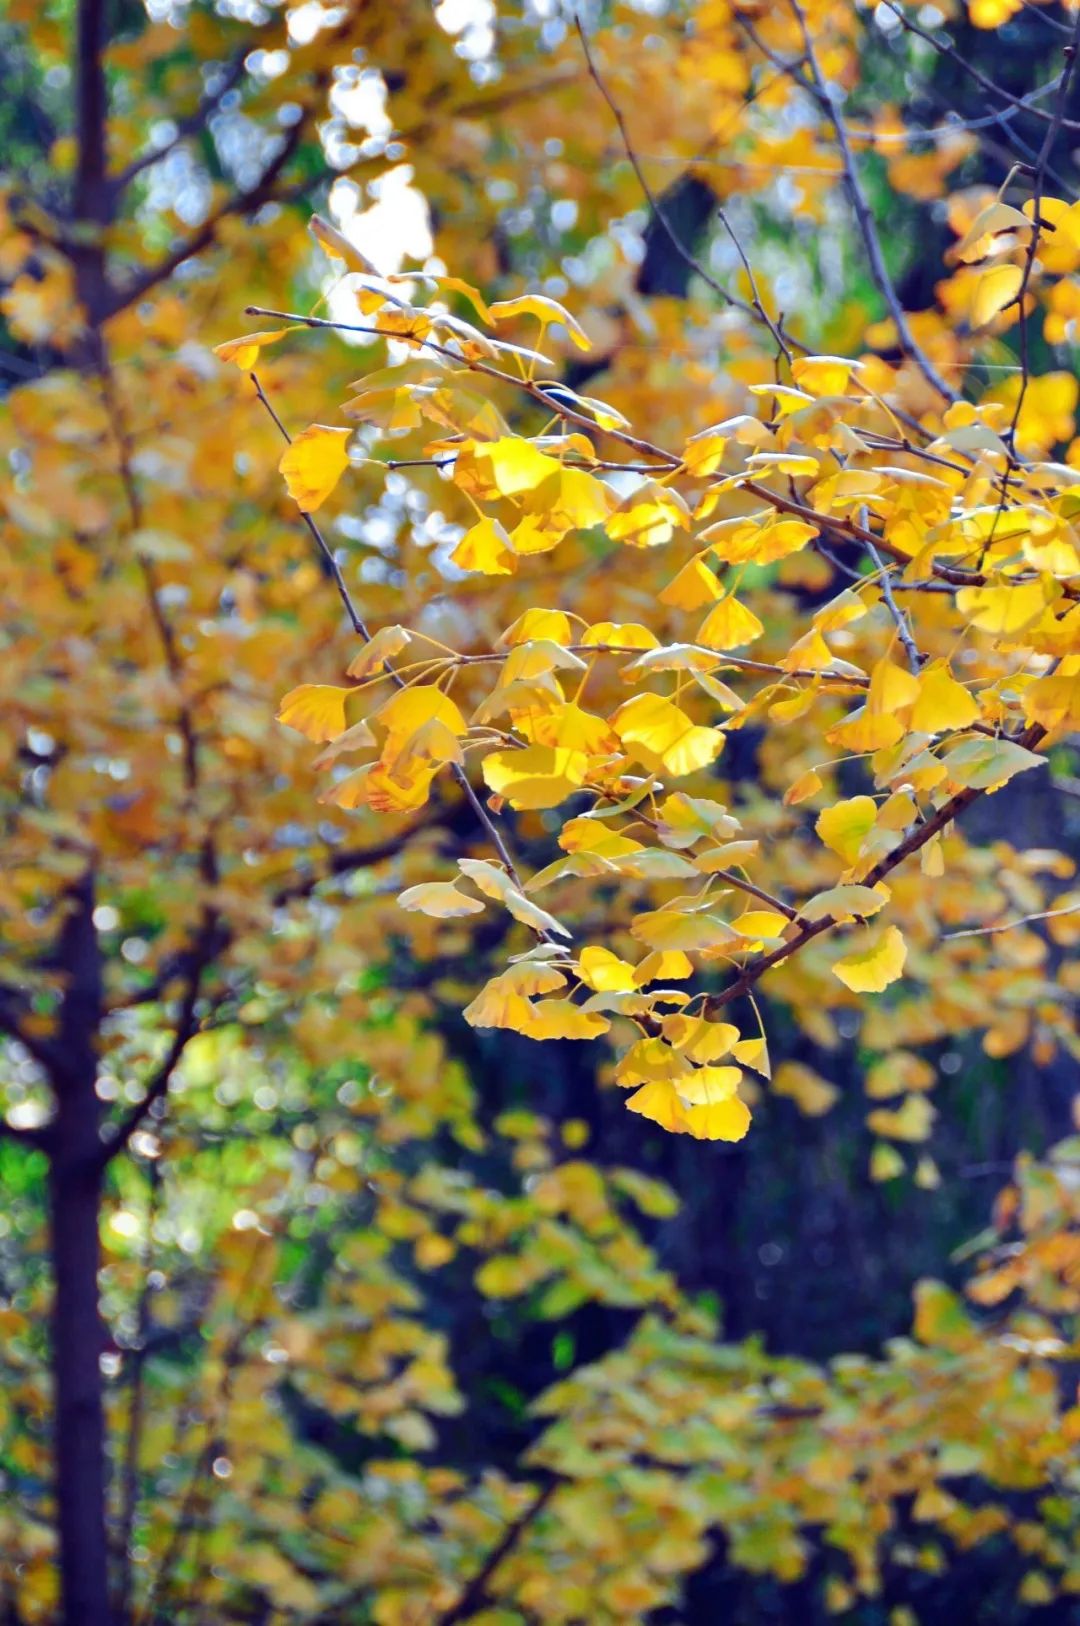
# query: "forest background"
[319,1300]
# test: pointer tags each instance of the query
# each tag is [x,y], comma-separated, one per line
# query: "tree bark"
[75,1184]
[79,1413]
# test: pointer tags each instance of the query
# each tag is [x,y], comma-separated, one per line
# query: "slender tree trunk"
[79,1411]
[75,1184]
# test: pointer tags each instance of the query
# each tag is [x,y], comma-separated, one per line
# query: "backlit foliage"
[645,647]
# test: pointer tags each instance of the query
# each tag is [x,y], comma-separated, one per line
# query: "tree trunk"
[75,1184]
[79,1412]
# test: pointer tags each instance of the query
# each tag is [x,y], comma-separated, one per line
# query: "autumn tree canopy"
[541,571]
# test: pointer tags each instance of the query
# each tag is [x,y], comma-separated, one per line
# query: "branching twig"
[916,839]
[192,125]
[1057,121]
[756,309]
[865,218]
[1022,104]
[359,627]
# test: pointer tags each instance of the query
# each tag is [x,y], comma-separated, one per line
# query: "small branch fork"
[916,839]
[756,309]
[1057,122]
[830,524]
[864,215]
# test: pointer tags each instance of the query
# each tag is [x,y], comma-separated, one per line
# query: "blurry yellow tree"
[565,612]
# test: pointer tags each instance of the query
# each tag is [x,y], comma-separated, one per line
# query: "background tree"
[359,1311]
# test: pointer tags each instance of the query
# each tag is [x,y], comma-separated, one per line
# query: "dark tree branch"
[187,1024]
[864,215]
[90,199]
[1021,104]
[917,838]
[192,125]
[242,203]
[476,1595]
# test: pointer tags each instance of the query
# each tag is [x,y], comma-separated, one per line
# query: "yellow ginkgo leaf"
[380,648]
[885,1162]
[440,899]
[316,710]
[760,923]
[403,790]
[669,929]
[911,1121]
[694,586]
[570,500]
[943,704]
[1003,609]
[545,310]
[844,827]
[823,375]
[753,1053]
[551,625]
[649,517]
[314,463]
[495,883]
[869,970]
[562,1019]
[811,1093]
[718,1120]
[619,635]
[409,710]
[660,1103]
[698,1039]
[605,972]
[485,547]
[338,246]
[707,1086]
[807,785]
[514,465]
[663,965]
[844,903]
[570,727]
[539,776]
[663,735]
[729,625]
[244,352]
[995,289]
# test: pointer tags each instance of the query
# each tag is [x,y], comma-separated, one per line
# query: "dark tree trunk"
[79,1414]
[75,1183]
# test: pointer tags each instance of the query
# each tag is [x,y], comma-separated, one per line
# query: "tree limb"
[192,125]
[476,1596]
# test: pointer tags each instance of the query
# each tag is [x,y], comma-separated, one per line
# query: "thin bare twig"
[1009,925]
[1053,130]
[756,309]
[865,218]
[903,626]
[1022,104]
[492,831]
